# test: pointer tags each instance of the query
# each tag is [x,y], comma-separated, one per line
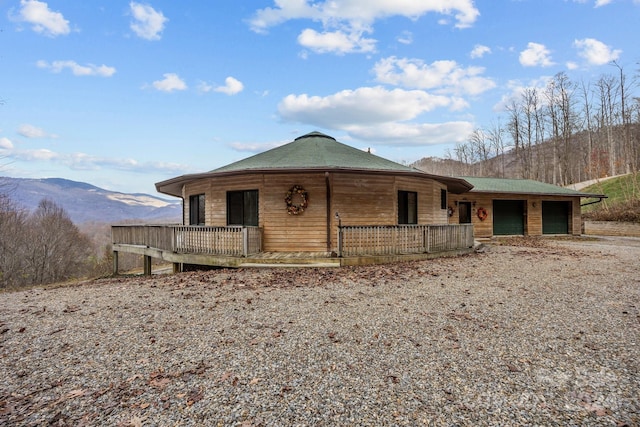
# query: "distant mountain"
[88,203]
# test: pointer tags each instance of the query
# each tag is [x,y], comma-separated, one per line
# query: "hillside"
[88,203]
[623,199]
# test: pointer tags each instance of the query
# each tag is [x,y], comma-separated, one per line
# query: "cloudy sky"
[123,94]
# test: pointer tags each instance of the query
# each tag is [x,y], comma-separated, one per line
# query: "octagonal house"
[313,201]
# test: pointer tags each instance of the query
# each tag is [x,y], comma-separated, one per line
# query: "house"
[498,206]
[316,201]
[311,199]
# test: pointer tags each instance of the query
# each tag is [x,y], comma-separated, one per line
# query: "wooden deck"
[238,248]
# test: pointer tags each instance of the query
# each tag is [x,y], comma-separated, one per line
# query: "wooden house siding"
[533,225]
[359,198]
[305,232]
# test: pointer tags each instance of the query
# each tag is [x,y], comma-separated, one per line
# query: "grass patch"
[622,203]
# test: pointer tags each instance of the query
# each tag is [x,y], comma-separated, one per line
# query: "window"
[242,207]
[407,207]
[196,209]
[443,199]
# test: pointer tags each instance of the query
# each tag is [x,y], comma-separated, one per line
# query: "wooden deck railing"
[402,239]
[245,241]
[232,241]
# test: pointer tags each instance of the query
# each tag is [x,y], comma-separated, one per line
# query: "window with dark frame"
[197,209]
[443,199]
[242,208]
[407,207]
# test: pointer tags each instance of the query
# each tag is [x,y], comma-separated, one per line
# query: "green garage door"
[508,217]
[555,217]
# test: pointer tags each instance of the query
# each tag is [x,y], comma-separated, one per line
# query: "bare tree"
[56,250]
[608,89]
[590,165]
[495,135]
[515,130]
[12,226]
[560,104]
[480,146]
[465,155]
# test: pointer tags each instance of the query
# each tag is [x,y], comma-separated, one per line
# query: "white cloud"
[595,52]
[42,19]
[5,143]
[571,65]
[446,77]
[536,54]
[35,155]
[231,86]
[77,69]
[337,42]
[367,105]
[365,12]
[345,22]
[413,134]
[170,83]
[377,115]
[30,131]
[84,161]
[255,147]
[479,51]
[148,23]
[406,37]
[600,3]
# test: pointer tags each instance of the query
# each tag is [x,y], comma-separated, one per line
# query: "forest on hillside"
[561,133]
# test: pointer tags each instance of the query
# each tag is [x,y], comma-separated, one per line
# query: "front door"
[464,212]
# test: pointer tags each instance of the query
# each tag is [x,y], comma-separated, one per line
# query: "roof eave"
[173,186]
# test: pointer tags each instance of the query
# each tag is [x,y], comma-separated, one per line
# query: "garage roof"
[522,186]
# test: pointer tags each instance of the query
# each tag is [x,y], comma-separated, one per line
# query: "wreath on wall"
[293,209]
[482,214]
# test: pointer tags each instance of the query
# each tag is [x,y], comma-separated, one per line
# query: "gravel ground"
[529,332]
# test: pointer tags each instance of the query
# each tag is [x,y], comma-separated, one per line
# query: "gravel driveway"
[529,332]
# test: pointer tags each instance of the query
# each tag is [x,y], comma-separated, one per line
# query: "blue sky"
[123,94]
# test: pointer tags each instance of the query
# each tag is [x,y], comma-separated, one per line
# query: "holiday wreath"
[293,209]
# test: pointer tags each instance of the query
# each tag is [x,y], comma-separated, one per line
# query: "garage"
[519,207]
[508,217]
[555,217]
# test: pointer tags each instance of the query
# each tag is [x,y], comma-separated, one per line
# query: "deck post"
[115,263]
[245,241]
[147,265]
[177,267]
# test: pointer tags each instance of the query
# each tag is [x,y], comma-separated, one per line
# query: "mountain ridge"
[86,202]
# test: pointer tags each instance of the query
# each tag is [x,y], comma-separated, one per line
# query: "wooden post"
[147,265]
[115,263]
[245,242]
[177,267]
[339,236]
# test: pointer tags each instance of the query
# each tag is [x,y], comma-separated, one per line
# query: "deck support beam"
[147,265]
[115,263]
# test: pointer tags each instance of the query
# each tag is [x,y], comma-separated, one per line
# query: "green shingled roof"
[315,150]
[521,186]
